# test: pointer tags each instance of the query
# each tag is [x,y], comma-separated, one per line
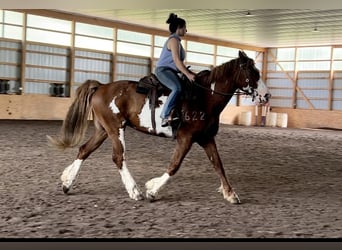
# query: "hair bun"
[173,17]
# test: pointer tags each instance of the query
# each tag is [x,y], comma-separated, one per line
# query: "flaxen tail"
[76,121]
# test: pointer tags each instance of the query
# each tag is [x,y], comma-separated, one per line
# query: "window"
[134,43]
[225,54]
[159,41]
[200,47]
[200,53]
[50,37]
[11,24]
[286,54]
[94,37]
[227,51]
[39,30]
[314,53]
[130,36]
[47,23]
[94,30]
[313,58]
[337,59]
[158,45]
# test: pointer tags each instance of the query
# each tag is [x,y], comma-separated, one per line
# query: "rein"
[240,92]
[218,92]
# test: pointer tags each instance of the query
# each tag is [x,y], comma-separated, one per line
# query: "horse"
[116,105]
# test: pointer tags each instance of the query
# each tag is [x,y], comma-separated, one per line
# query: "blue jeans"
[170,79]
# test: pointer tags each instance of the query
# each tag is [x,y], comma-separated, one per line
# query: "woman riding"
[170,63]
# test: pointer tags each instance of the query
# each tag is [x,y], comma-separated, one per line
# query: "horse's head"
[248,79]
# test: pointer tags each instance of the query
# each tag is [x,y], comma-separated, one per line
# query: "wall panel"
[10,67]
[46,65]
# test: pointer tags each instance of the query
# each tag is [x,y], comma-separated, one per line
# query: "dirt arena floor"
[289,182]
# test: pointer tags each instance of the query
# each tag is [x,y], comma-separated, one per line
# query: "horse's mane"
[221,72]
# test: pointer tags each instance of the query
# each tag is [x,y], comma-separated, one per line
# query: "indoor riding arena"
[282,158]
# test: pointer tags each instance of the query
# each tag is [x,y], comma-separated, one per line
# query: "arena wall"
[41,107]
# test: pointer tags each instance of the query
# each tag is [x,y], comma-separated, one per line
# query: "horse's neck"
[218,99]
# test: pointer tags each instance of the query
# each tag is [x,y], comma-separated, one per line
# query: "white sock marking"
[126,176]
[154,185]
[70,173]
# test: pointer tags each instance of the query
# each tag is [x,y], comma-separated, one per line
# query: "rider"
[170,63]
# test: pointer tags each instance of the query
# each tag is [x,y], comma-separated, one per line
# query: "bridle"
[244,91]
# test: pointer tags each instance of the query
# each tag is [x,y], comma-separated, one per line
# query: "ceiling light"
[315,29]
[249,14]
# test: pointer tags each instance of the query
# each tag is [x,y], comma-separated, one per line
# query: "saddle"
[149,83]
[153,88]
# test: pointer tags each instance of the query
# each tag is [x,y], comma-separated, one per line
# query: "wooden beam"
[331,80]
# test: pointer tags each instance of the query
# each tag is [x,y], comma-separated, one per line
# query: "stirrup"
[165,122]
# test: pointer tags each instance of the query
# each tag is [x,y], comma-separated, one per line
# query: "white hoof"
[69,175]
[233,198]
[151,191]
[66,182]
[154,186]
[136,194]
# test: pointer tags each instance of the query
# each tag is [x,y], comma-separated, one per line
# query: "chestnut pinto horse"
[116,105]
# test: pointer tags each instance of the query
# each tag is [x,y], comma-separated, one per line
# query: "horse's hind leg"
[225,188]
[70,173]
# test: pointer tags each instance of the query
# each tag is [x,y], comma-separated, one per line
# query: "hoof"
[135,193]
[233,199]
[150,194]
[65,189]
[150,197]
[155,185]
[138,197]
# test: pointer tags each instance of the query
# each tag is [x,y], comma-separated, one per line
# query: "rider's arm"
[173,45]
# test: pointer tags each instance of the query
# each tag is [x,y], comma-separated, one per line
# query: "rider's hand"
[191,76]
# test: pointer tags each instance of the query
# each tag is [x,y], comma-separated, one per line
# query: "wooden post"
[263,115]
[256,114]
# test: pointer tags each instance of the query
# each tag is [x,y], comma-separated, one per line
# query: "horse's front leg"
[120,161]
[226,189]
[155,185]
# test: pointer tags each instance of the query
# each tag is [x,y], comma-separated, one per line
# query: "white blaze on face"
[113,106]
[145,118]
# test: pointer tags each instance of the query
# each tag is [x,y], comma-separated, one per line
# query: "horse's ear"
[243,57]
[242,54]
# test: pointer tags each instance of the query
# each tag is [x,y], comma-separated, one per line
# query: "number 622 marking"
[193,115]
